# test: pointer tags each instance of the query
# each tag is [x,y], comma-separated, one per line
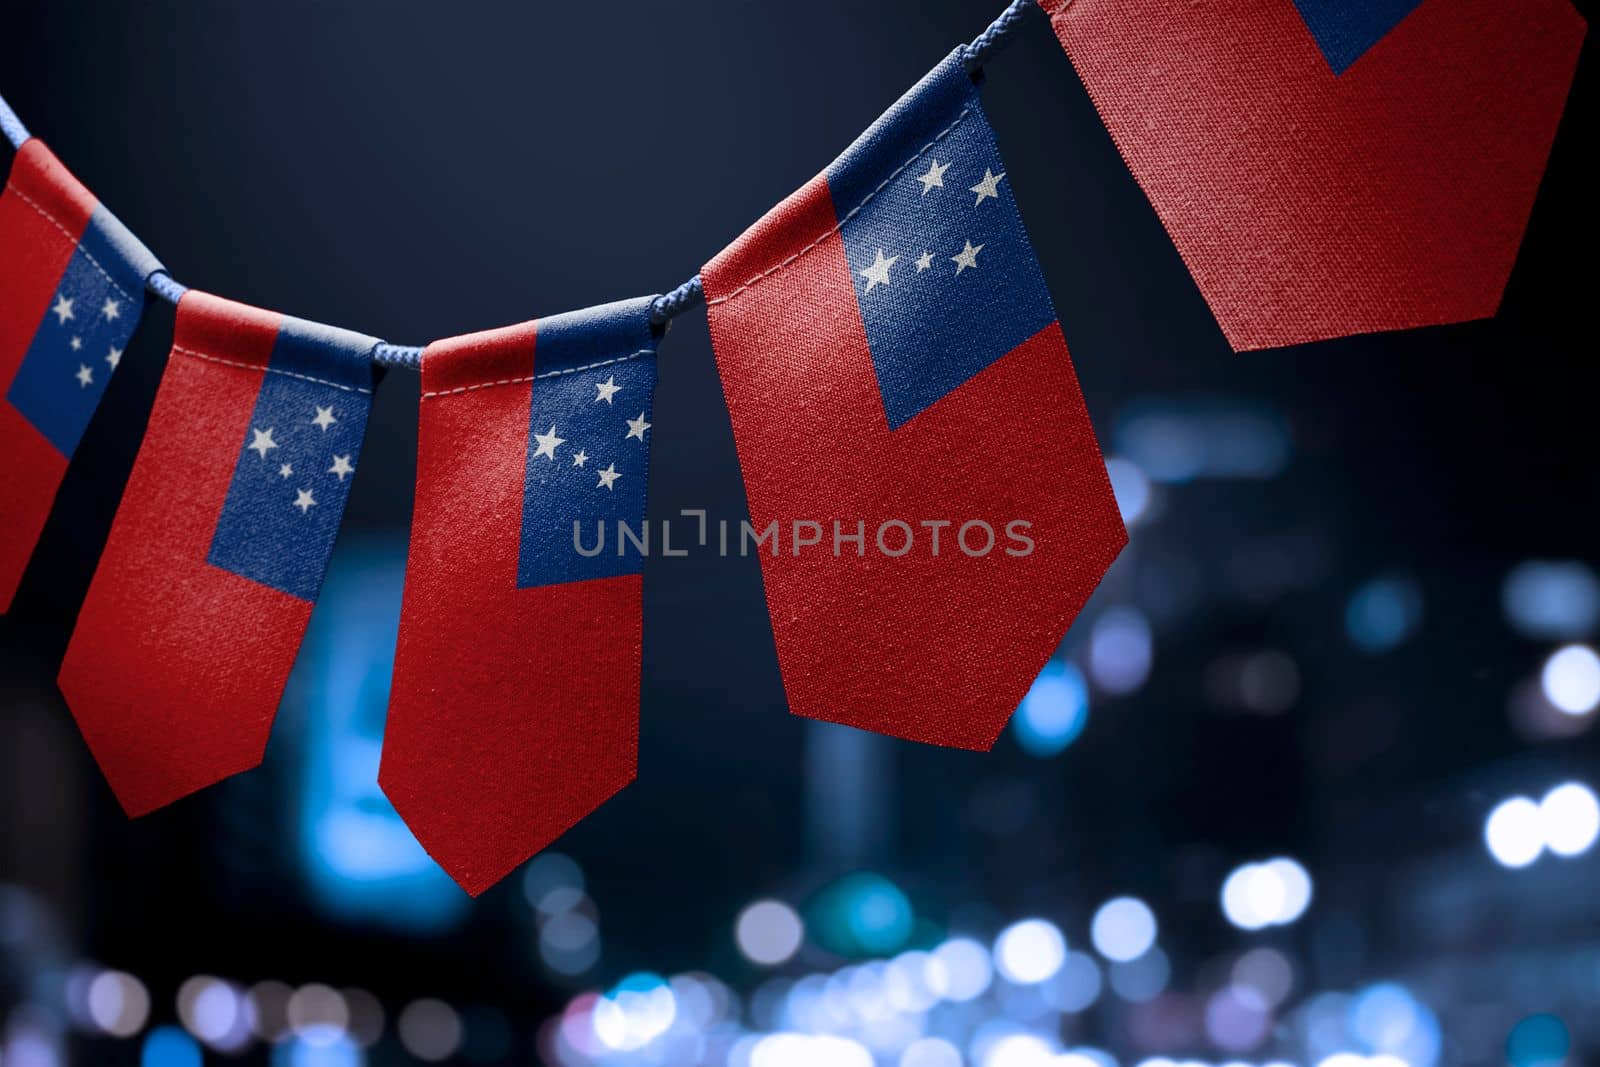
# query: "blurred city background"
[1311,782]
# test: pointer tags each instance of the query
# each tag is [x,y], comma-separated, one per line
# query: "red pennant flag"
[71,292]
[218,548]
[1329,168]
[515,706]
[907,416]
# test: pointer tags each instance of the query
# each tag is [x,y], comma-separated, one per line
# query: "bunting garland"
[868,330]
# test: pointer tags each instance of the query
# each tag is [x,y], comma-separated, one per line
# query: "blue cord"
[999,31]
[15,131]
[663,309]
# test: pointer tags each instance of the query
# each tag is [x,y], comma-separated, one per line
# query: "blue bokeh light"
[1383,613]
[862,914]
[1538,1041]
[358,857]
[168,1046]
[341,1052]
[1054,712]
[1551,600]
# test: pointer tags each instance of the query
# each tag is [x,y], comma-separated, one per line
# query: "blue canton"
[1346,29]
[944,275]
[83,334]
[588,442]
[298,459]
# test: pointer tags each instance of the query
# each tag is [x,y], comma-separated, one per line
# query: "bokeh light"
[1120,650]
[1030,951]
[636,1011]
[1538,1041]
[1571,679]
[1569,817]
[1514,832]
[429,1029]
[1552,600]
[118,1003]
[1274,893]
[965,970]
[1054,711]
[1142,979]
[169,1046]
[769,932]
[1123,929]
[1130,486]
[1383,613]
[930,1052]
[318,1014]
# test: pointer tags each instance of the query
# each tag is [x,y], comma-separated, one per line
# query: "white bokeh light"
[1274,893]
[1296,886]
[961,970]
[1571,679]
[1019,1050]
[119,1004]
[1123,929]
[1569,817]
[1030,951]
[804,1050]
[930,1052]
[769,932]
[1514,832]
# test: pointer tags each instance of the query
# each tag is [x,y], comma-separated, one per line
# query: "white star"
[324,417]
[111,309]
[85,376]
[77,344]
[989,188]
[607,389]
[637,427]
[608,476]
[304,500]
[548,443]
[878,273]
[967,257]
[341,467]
[934,179]
[924,261]
[580,458]
[114,356]
[63,309]
[285,470]
[262,441]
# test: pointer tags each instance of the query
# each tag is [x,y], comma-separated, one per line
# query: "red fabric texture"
[42,215]
[934,649]
[1310,205]
[514,712]
[176,667]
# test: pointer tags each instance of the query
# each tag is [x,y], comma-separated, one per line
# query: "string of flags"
[1305,157]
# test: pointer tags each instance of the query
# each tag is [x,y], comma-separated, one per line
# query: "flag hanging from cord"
[218,548]
[1326,168]
[906,413]
[71,292]
[515,706]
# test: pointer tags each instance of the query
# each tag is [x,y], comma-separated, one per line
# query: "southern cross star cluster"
[299,467]
[547,444]
[79,342]
[94,326]
[932,249]
[588,455]
[878,272]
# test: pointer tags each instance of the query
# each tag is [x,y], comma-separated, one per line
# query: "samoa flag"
[71,293]
[515,706]
[218,548]
[903,403]
[1328,168]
